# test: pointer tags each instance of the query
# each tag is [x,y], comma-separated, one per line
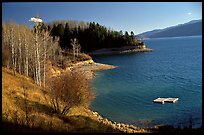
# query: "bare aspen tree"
[26,52]
[19,50]
[5,47]
[45,56]
[73,46]
[28,49]
[38,23]
[15,59]
[45,39]
[36,60]
[38,73]
[11,43]
[78,49]
[6,43]
[32,55]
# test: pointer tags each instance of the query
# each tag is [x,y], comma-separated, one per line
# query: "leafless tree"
[76,47]
[28,50]
[5,47]
[11,43]
[19,49]
[68,90]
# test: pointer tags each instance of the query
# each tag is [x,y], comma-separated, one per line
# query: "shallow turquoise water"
[173,69]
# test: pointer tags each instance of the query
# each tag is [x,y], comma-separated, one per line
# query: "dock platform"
[162,100]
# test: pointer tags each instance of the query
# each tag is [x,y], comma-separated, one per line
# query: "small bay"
[172,69]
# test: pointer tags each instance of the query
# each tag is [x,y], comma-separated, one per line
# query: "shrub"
[68,90]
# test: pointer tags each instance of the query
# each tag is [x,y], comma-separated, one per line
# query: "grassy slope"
[40,116]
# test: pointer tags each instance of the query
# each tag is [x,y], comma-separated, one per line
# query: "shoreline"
[126,128]
[89,68]
[122,50]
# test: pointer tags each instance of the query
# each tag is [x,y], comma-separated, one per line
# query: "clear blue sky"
[126,16]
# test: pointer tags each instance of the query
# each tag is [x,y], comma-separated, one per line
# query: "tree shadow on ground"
[9,127]
[77,124]
[83,124]
[33,106]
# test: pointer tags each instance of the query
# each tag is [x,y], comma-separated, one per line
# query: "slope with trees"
[91,36]
[28,54]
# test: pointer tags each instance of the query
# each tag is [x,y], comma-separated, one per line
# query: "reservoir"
[173,69]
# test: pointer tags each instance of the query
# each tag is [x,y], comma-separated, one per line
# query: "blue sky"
[126,16]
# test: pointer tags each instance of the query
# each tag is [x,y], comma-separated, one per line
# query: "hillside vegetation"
[26,108]
[35,94]
[91,35]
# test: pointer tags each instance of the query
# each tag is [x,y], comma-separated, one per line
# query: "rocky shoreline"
[120,126]
[88,68]
[126,128]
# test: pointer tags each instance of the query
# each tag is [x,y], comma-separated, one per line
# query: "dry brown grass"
[25,108]
[67,59]
[67,90]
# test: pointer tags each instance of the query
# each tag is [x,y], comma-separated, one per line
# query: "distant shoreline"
[170,37]
[122,50]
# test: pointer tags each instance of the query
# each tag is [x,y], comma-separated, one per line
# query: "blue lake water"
[173,69]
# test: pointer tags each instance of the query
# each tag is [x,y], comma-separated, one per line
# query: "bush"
[83,57]
[68,90]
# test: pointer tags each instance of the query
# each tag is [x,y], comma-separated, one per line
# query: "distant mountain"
[191,28]
[149,33]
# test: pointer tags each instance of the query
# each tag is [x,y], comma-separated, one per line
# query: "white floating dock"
[162,100]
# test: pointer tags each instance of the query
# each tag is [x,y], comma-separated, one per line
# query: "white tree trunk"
[38,74]
[26,57]
[36,61]
[11,42]
[19,49]
[73,43]
[38,64]
[15,60]
[44,62]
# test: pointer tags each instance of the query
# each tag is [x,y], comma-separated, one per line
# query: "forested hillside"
[91,36]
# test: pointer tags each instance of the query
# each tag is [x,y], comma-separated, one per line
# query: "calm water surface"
[173,69]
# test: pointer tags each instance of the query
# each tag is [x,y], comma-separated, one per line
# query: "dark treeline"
[91,36]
